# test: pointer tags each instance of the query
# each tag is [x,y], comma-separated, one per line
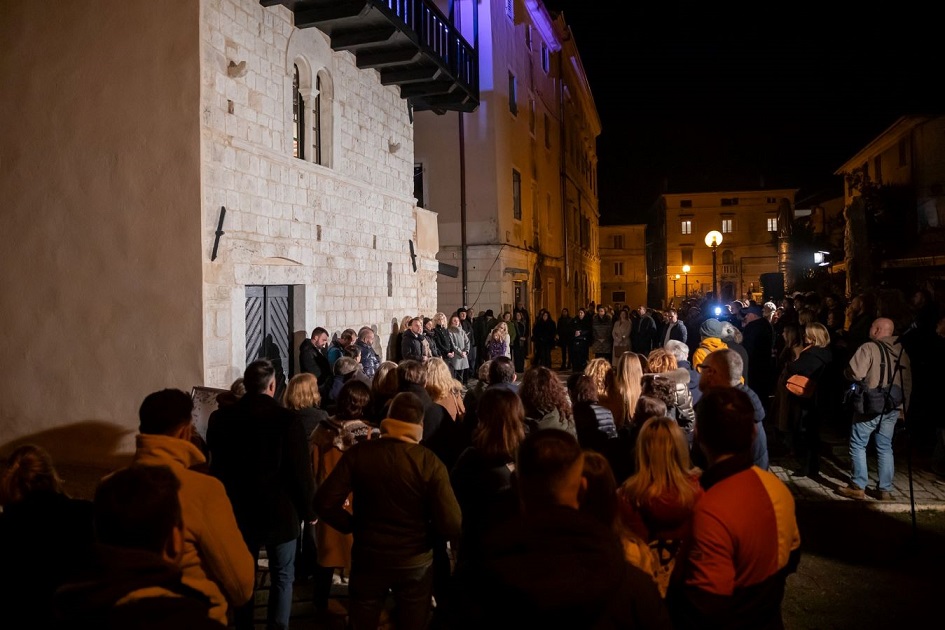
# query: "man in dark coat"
[411,345]
[674,329]
[643,335]
[314,360]
[259,450]
[565,334]
[758,341]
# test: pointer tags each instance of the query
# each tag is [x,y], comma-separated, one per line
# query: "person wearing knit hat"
[711,333]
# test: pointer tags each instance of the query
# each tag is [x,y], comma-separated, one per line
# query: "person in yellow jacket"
[711,334]
[215,560]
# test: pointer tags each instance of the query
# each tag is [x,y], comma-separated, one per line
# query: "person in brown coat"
[329,441]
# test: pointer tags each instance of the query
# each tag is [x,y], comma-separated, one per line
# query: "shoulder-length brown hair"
[541,391]
[501,427]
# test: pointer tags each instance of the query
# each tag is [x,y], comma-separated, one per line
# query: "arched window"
[298,117]
[728,257]
[317,121]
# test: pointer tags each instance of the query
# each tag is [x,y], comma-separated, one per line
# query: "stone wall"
[338,233]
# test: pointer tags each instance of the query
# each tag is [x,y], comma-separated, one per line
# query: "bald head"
[882,327]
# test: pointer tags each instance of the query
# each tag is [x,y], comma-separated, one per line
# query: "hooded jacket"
[215,560]
[706,347]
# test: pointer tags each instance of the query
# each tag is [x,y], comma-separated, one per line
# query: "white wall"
[99,175]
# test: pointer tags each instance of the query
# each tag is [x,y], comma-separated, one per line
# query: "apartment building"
[514,184]
[623,277]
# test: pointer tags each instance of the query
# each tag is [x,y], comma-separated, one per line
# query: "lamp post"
[675,279]
[686,269]
[713,239]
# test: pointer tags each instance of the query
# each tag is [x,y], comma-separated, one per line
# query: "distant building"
[749,222]
[191,185]
[623,277]
[514,185]
[894,201]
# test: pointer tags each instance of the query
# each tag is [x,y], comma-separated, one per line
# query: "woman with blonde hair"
[441,425]
[602,372]
[398,338]
[497,345]
[384,386]
[808,410]
[46,537]
[303,399]
[657,501]
[626,388]
[663,363]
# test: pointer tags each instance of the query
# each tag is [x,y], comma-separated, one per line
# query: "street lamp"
[675,279]
[713,239]
[686,269]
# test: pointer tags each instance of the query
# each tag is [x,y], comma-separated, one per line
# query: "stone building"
[191,184]
[514,184]
[623,278]
[750,222]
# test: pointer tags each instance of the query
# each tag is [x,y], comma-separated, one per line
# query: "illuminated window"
[726,226]
[687,226]
[772,224]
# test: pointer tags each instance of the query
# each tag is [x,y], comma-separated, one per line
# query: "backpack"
[886,397]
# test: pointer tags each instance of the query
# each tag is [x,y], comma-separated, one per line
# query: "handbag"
[801,386]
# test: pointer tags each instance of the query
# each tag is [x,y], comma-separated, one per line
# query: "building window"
[516,195]
[686,226]
[545,58]
[618,241]
[772,224]
[418,184]
[317,121]
[298,117]
[685,203]
[528,36]
[902,152]
[531,116]
[547,131]
[513,96]
[618,268]
[618,297]
[686,256]
[726,226]
[510,9]
[729,201]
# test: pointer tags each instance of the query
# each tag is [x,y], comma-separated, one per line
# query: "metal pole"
[715,290]
[687,286]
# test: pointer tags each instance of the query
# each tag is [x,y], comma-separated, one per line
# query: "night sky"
[698,100]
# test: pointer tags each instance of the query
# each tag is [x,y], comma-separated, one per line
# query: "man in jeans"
[402,500]
[866,365]
[259,450]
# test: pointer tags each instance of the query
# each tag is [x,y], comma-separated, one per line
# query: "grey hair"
[678,349]
[733,362]
[731,333]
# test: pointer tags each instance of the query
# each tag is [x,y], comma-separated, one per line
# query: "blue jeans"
[281,576]
[884,426]
[412,589]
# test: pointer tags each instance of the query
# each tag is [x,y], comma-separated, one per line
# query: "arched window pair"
[310,112]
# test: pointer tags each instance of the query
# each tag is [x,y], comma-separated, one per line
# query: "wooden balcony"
[410,42]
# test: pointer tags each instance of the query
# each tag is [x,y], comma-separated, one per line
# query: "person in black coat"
[812,363]
[259,450]
[565,336]
[543,335]
[758,341]
[313,360]
[411,345]
[580,340]
[643,336]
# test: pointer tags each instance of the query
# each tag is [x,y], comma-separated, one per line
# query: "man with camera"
[880,369]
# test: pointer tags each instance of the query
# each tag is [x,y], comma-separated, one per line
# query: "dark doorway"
[269,330]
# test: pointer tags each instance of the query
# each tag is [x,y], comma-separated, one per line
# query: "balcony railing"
[728,270]
[410,42]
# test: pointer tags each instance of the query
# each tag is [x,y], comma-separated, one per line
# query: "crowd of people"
[464,479]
